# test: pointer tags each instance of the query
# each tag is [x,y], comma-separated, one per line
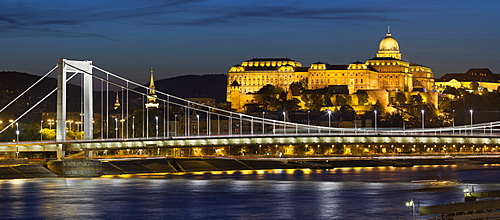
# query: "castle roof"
[474,74]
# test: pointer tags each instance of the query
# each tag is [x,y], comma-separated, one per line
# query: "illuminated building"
[482,76]
[151,92]
[386,71]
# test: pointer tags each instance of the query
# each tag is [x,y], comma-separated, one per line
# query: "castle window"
[361,81]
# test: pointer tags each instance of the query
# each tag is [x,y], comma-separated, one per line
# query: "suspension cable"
[35,105]
[25,91]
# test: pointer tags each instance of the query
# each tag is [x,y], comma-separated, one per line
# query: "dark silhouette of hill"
[13,83]
[189,86]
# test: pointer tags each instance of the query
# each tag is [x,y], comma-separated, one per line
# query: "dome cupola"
[389,47]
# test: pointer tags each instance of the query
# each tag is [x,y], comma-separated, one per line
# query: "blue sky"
[180,37]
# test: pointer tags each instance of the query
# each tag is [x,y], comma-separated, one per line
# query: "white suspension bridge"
[185,124]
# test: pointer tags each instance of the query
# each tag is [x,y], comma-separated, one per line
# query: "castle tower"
[236,96]
[151,92]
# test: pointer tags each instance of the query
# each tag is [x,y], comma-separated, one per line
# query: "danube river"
[344,193]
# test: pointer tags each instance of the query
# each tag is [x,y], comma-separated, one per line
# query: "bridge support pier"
[75,167]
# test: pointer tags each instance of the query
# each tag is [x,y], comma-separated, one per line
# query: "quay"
[80,167]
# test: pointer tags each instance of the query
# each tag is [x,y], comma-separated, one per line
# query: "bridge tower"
[85,68]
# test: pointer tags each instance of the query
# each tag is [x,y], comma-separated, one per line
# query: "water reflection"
[347,193]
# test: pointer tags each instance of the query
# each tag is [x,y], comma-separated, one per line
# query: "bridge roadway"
[478,139]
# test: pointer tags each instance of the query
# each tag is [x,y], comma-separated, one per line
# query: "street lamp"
[17,139]
[78,125]
[116,127]
[122,121]
[308,122]
[175,125]
[133,126]
[355,126]
[263,114]
[471,121]
[41,128]
[198,123]
[453,121]
[423,119]
[375,112]
[284,120]
[329,120]
[156,119]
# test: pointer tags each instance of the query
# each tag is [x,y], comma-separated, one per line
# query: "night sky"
[181,37]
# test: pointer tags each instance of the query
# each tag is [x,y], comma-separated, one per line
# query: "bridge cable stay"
[34,106]
[29,88]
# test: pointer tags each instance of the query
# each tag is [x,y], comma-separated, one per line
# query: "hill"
[209,86]
[14,83]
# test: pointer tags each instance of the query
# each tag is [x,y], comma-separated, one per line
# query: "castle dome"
[388,44]
[389,47]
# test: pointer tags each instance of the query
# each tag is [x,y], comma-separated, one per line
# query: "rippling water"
[350,193]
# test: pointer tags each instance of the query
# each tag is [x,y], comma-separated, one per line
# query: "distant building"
[385,71]
[483,76]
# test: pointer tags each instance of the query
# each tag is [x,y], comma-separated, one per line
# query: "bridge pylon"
[85,68]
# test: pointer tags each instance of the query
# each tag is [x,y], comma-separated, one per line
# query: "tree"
[268,96]
[416,99]
[289,105]
[340,100]
[362,97]
[474,86]
[400,98]
[313,101]
[302,84]
[451,90]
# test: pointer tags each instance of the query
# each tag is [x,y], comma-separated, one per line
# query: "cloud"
[66,18]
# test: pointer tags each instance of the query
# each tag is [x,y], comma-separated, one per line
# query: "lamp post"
[375,112]
[116,127]
[423,119]
[17,140]
[453,121]
[133,126]
[355,125]
[122,121]
[198,123]
[175,125]
[50,121]
[471,121]
[156,119]
[284,120]
[263,114]
[329,120]
[41,128]
[308,122]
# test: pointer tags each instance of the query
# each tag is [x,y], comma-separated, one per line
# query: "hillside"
[14,83]
[210,86]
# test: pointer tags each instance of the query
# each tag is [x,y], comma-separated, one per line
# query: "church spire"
[117,102]
[152,82]
[151,92]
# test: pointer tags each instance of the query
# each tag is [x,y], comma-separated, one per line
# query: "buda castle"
[386,71]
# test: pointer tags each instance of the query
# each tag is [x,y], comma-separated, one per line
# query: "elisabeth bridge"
[181,128]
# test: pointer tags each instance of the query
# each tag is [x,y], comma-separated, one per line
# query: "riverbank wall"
[20,168]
